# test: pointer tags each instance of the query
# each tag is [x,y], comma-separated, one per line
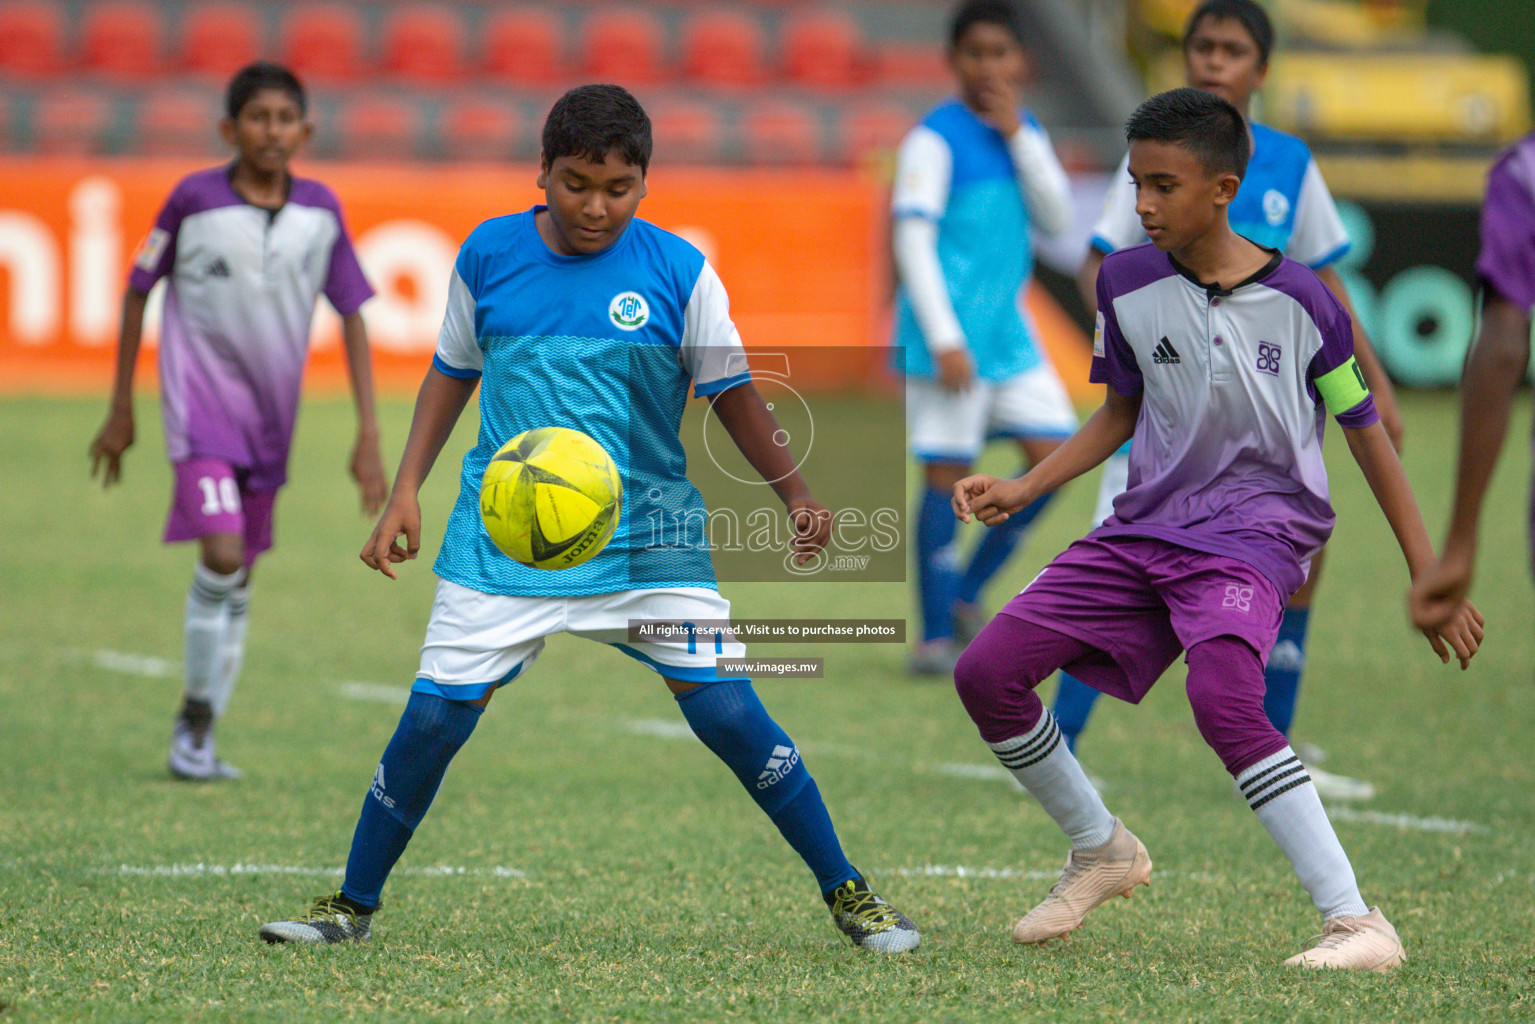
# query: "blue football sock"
[1074,702]
[430,732]
[995,549]
[732,722]
[1281,678]
[937,581]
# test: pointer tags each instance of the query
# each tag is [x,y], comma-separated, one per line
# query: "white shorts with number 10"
[475,642]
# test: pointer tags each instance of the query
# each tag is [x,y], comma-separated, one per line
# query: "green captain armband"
[1343,388]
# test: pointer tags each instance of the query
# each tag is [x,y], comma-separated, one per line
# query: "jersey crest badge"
[1275,207]
[629,311]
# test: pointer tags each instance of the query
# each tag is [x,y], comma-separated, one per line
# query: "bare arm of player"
[1493,372]
[438,406]
[1383,471]
[752,427]
[991,499]
[1375,375]
[367,465]
[116,435]
[1087,279]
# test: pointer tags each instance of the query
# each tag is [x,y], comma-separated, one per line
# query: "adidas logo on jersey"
[218,268]
[1164,352]
[780,764]
[377,789]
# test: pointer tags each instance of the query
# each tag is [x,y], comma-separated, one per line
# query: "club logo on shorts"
[628,311]
[780,764]
[1238,597]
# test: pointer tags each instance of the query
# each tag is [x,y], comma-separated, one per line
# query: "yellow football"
[551,498]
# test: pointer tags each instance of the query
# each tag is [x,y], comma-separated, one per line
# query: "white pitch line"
[144,665]
[1405,821]
[204,870]
[378,692]
[662,728]
[1015,874]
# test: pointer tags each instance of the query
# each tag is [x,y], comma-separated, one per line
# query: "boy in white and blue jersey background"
[972,180]
[1284,204]
[577,314]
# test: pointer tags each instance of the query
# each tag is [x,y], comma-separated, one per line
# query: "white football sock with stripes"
[1280,792]
[1042,763]
[231,646]
[206,613]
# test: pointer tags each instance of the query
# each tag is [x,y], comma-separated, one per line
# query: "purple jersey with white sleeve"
[1227,452]
[243,282]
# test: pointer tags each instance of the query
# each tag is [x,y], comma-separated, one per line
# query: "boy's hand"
[1462,632]
[1439,591]
[107,448]
[999,107]
[812,528]
[990,499]
[367,468]
[401,515]
[954,371]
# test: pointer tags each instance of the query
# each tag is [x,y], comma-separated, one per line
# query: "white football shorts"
[947,427]
[475,641]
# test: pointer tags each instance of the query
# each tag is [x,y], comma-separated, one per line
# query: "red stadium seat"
[781,132]
[180,122]
[120,39]
[220,39]
[31,40]
[480,129]
[623,45]
[723,48]
[71,122]
[525,46]
[324,44]
[920,66]
[377,128]
[873,128]
[424,45]
[823,50]
[686,132]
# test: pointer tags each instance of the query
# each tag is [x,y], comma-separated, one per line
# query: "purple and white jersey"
[1227,452]
[241,295]
[1507,260]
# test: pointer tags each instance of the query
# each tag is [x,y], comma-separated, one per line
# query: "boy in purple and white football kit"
[247,248]
[1223,388]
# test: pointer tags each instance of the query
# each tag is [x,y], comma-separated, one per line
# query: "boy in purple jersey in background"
[248,249]
[1220,356]
[1497,363]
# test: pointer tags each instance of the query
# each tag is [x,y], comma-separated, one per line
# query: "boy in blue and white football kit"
[972,180]
[577,315]
[1283,204]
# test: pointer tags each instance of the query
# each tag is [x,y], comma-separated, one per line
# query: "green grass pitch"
[583,862]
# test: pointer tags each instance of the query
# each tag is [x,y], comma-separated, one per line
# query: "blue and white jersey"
[1283,204]
[958,172]
[606,344]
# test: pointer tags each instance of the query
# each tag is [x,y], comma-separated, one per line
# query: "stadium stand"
[723,48]
[177,120]
[377,127]
[424,45]
[72,122]
[524,46]
[120,41]
[476,128]
[323,44]
[31,40]
[781,131]
[687,131]
[219,39]
[823,50]
[622,44]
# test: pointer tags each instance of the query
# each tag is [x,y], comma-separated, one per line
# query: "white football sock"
[232,646]
[1280,792]
[1041,761]
[206,612]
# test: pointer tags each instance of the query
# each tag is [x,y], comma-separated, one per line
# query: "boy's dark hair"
[1253,18]
[591,121]
[1201,122]
[253,78]
[988,12]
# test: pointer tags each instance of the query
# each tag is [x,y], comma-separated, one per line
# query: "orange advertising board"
[802,253]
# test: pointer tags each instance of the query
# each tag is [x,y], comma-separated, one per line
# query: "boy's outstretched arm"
[116,434]
[752,427]
[1493,372]
[367,465]
[991,499]
[1372,449]
[438,405]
